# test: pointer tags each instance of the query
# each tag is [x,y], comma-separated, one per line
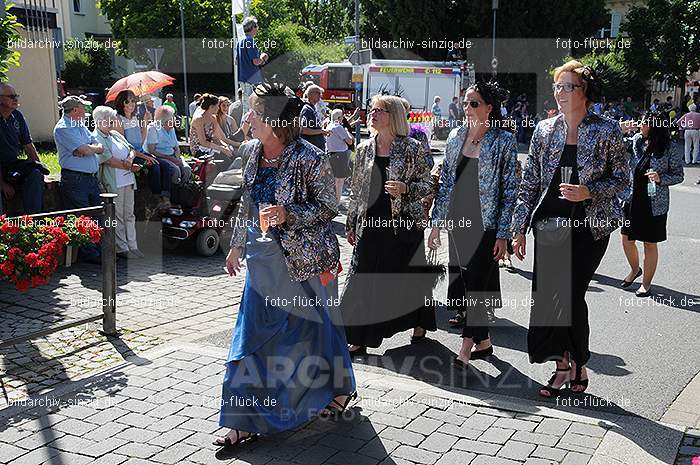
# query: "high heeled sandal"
[625,284]
[228,443]
[577,381]
[335,407]
[551,390]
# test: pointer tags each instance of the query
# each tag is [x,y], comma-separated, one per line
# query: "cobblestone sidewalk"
[164,411]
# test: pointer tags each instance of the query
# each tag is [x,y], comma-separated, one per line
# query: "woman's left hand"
[500,249]
[277,215]
[653,175]
[395,188]
[574,192]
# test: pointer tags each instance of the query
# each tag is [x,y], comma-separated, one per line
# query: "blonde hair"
[398,122]
[576,67]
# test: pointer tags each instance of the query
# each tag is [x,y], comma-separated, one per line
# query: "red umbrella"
[140,84]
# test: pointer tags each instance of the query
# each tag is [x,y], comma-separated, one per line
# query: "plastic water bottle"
[651,187]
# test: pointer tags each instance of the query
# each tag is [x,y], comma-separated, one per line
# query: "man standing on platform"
[249,59]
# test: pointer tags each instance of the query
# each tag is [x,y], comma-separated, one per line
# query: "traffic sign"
[494,63]
[349,40]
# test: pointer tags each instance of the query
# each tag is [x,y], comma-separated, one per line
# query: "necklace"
[270,161]
[477,141]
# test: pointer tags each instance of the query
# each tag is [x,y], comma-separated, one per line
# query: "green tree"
[617,79]
[665,39]
[454,20]
[8,34]
[87,67]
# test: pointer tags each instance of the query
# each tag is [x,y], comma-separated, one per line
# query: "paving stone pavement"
[147,413]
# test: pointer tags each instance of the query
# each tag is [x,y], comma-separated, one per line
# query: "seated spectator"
[161,142]
[77,150]
[206,137]
[27,174]
[116,175]
[133,129]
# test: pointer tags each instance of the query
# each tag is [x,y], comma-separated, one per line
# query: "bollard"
[109,267]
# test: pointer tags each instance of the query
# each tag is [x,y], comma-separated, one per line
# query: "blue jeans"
[159,177]
[31,182]
[81,191]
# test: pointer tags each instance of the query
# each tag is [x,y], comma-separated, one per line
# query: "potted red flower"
[30,249]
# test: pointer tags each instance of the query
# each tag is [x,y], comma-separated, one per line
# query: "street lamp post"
[184,71]
[494,60]
[358,93]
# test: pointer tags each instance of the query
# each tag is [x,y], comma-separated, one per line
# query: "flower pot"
[70,254]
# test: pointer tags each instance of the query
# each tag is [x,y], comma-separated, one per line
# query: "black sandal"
[577,381]
[362,351]
[625,284]
[552,391]
[228,444]
[335,407]
[416,339]
[456,320]
[481,354]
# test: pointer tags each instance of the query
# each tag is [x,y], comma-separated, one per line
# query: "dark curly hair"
[493,94]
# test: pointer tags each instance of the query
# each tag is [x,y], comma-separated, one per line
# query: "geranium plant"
[30,249]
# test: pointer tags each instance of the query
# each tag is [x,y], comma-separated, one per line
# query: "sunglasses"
[568,87]
[12,96]
[473,103]
[378,110]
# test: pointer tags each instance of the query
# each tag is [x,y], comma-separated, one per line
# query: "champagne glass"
[264,222]
[566,172]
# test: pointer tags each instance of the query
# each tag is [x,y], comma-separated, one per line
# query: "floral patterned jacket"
[670,170]
[498,183]
[305,187]
[407,163]
[603,166]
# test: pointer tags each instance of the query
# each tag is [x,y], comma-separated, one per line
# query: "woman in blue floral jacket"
[475,204]
[288,360]
[571,219]
[652,161]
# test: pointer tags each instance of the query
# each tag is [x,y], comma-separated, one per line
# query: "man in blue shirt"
[76,155]
[249,59]
[14,172]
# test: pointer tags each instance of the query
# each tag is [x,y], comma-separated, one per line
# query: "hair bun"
[281,103]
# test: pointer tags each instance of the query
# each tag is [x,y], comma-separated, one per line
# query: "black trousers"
[559,316]
[475,287]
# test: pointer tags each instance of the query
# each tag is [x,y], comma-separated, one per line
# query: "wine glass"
[566,172]
[264,222]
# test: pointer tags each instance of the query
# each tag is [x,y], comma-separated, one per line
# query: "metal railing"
[109,274]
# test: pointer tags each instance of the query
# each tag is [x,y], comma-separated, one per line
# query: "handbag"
[553,232]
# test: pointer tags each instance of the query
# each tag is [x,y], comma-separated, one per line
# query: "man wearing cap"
[14,136]
[77,148]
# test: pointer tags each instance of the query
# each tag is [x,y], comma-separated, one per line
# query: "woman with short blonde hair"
[394,107]
[384,294]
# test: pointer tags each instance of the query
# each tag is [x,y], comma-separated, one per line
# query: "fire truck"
[417,81]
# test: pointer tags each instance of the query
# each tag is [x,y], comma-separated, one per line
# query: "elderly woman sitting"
[117,177]
[161,142]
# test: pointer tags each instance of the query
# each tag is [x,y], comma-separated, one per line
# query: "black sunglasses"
[473,103]
[12,96]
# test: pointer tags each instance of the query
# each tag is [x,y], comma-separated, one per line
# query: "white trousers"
[692,139]
[126,220]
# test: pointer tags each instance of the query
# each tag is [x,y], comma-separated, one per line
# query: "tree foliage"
[454,20]
[665,39]
[8,34]
[617,79]
[87,67]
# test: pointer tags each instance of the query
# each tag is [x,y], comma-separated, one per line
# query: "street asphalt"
[644,350]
